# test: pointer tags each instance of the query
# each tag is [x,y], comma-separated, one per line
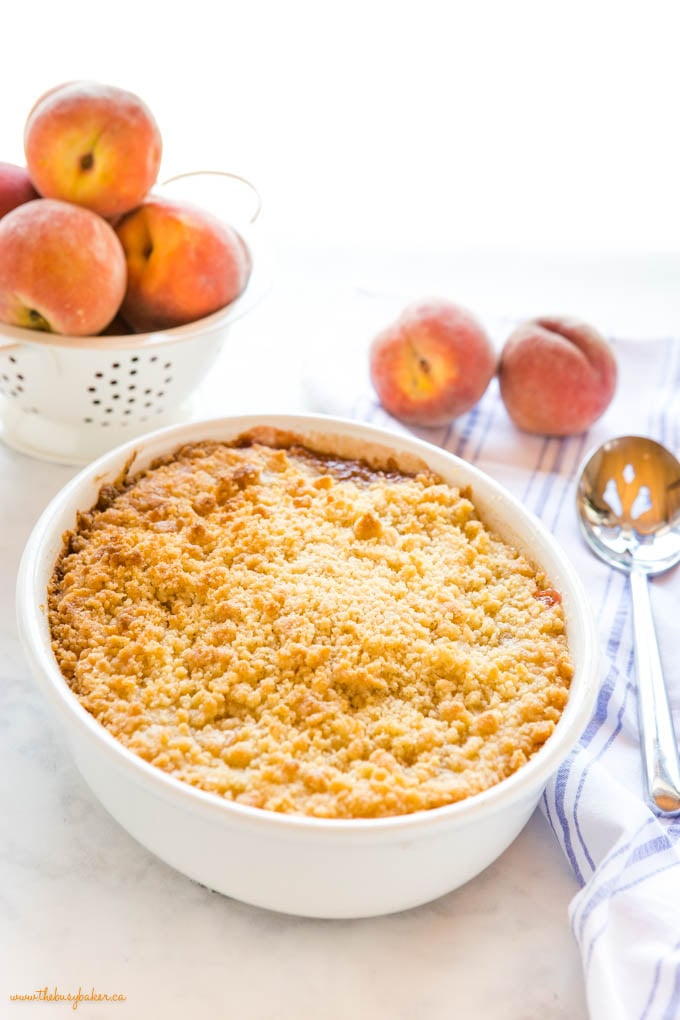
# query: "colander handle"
[222,173]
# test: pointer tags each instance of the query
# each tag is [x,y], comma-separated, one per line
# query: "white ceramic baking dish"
[300,865]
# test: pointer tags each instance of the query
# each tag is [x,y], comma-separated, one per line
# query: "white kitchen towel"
[626,916]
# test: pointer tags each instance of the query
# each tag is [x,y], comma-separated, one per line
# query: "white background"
[517,125]
[536,147]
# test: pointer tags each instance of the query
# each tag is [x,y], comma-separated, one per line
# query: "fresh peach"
[183,263]
[433,364]
[16,187]
[93,144]
[557,376]
[62,268]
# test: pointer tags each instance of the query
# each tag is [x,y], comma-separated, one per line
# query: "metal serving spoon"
[628,503]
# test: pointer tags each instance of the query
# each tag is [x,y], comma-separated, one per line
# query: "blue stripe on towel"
[534,474]
[490,409]
[609,888]
[560,780]
[586,900]
[568,480]
[671,1011]
[669,380]
[608,896]
[469,425]
[652,991]
[551,477]
[612,649]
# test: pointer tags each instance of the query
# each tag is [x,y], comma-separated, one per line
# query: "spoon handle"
[659,745]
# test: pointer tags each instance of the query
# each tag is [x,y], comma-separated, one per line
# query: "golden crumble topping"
[306,634]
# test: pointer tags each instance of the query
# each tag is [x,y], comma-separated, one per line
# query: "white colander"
[70,399]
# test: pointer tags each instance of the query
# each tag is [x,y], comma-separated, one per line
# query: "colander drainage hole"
[14,385]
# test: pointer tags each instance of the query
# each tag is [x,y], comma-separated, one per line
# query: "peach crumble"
[306,634]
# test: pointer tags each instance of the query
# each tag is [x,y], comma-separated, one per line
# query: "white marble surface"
[81,904]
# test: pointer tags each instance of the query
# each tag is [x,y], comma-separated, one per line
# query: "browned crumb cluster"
[307,635]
